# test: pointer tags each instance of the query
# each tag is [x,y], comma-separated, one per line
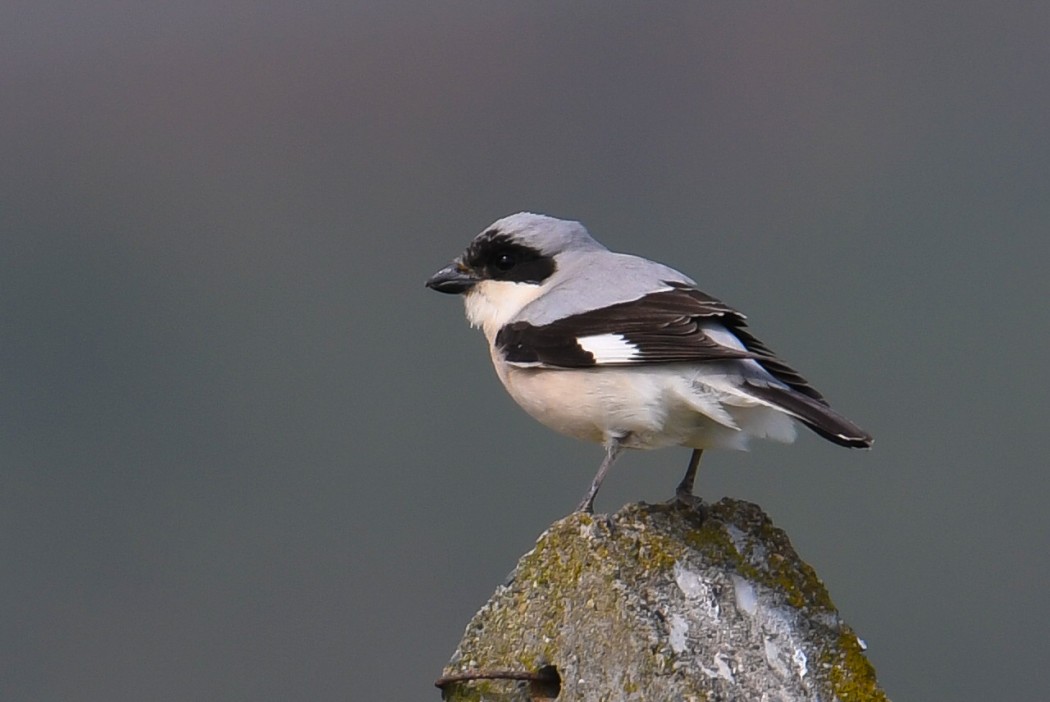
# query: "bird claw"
[690,502]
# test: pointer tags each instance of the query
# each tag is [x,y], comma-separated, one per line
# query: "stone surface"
[654,603]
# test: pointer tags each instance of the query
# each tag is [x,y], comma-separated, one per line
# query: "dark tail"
[814,414]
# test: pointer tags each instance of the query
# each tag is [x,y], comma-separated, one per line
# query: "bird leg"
[613,448]
[684,492]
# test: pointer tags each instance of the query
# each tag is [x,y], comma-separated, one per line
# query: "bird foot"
[690,502]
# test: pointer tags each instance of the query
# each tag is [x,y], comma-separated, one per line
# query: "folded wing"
[676,324]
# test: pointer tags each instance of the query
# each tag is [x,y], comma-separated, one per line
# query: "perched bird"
[621,350]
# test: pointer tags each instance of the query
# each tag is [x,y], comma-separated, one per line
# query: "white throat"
[493,303]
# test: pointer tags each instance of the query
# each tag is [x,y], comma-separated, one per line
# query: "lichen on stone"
[644,605]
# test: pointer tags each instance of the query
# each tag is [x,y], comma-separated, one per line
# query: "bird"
[620,350]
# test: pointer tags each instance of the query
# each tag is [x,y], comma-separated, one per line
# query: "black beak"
[452,279]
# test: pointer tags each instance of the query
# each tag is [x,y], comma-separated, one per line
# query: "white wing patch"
[609,348]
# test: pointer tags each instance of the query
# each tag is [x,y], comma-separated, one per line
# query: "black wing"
[662,327]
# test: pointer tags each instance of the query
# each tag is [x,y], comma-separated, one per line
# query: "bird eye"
[505,260]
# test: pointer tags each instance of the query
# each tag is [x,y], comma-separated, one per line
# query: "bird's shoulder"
[593,280]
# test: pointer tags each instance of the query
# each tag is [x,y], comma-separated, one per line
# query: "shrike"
[624,351]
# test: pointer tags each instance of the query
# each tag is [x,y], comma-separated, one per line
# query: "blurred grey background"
[245,455]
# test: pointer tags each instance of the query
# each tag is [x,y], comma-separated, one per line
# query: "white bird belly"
[647,407]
